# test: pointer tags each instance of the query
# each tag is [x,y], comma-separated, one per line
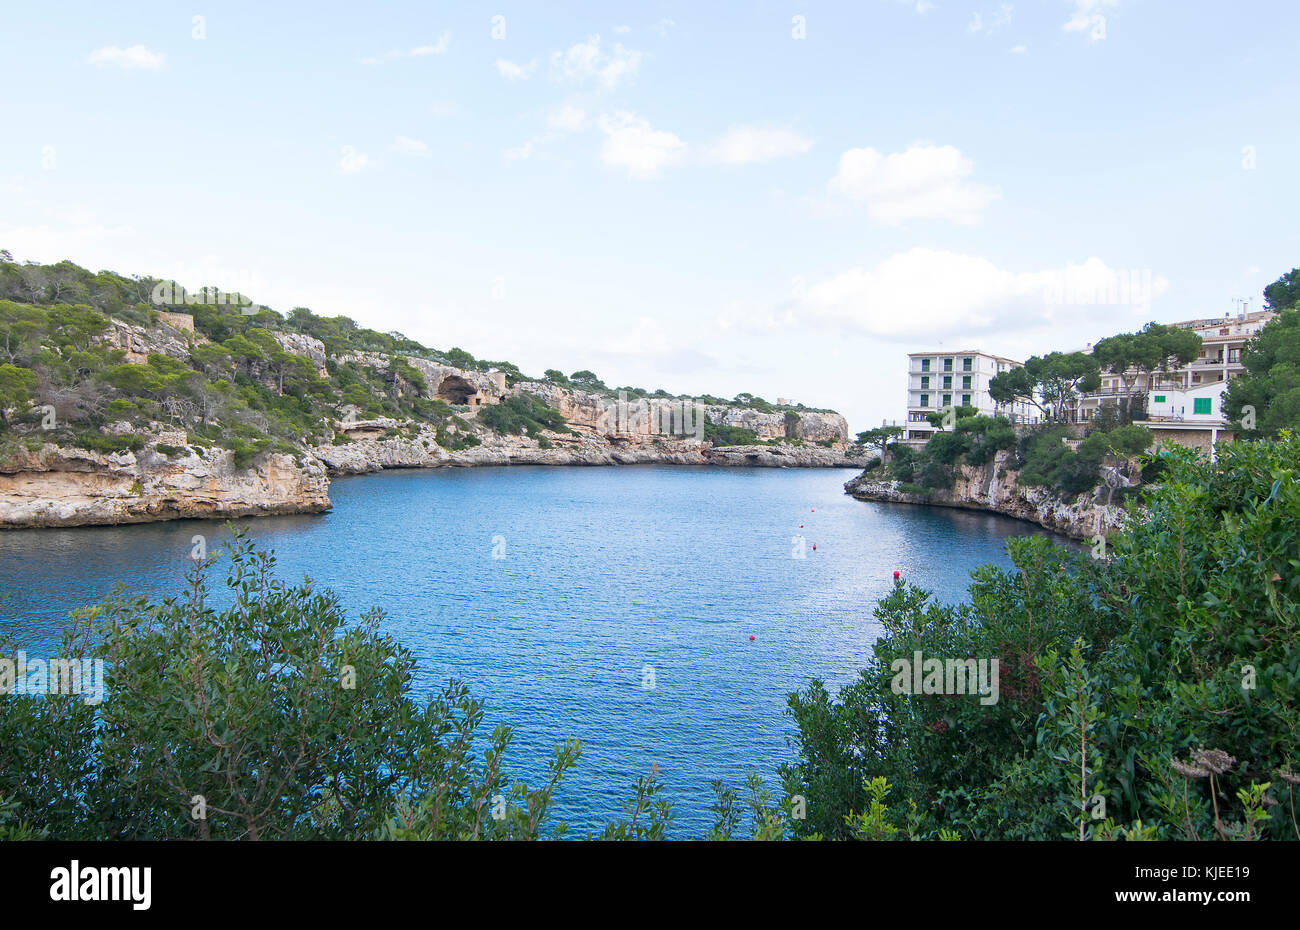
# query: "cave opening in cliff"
[456,390]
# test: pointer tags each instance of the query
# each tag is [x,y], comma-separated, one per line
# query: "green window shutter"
[925,364]
[965,364]
[965,400]
[925,400]
[947,400]
[965,382]
[947,381]
[1203,405]
[1160,398]
[925,382]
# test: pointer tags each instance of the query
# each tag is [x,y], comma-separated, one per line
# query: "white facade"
[1222,342]
[939,380]
[1202,404]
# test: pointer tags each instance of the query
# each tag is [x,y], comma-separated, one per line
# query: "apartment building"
[937,380]
[1184,405]
[1222,341]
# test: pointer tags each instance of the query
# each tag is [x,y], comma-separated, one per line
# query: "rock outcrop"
[57,486]
[601,414]
[372,454]
[168,478]
[994,487]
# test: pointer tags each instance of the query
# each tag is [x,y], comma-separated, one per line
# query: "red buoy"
[751,637]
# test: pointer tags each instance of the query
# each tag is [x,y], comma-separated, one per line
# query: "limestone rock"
[76,487]
[993,487]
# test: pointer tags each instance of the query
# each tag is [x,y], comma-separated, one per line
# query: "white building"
[938,380]
[1222,342]
[1184,404]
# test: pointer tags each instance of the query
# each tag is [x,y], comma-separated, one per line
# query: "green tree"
[586,380]
[16,386]
[880,438]
[1048,383]
[1284,293]
[1153,348]
[1267,394]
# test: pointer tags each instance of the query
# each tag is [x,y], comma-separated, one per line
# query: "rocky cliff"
[170,477]
[994,487]
[56,486]
[374,453]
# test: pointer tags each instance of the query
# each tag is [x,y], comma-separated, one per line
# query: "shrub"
[1163,684]
[288,720]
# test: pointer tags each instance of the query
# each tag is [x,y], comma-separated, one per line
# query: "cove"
[607,572]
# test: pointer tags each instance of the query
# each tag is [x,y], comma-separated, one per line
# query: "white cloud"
[588,61]
[136,57]
[745,145]
[513,72]
[351,161]
[923,182]
[921,6]
[413,147]
[525,151]
[663,26]
[622,30]
[568,118]
[927,296]
[444,41]
[631,143]
[1000,17]
[1089,15]
[1019,49]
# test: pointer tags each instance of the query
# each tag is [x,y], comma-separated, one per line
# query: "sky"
[775,198]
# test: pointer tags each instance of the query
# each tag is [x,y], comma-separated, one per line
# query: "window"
[925,400]
[965,383]
[925,381]
[965,400]
[925,364]
[1160,398]
[947,381]
[947,364]
[947,400]
[1202,405]
[965,364]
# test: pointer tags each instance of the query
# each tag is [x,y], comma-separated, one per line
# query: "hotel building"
[937,380]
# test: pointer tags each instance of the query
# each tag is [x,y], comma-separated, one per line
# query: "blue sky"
[677,195]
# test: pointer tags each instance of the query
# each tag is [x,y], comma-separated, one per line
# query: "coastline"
[994,488]
[68,487]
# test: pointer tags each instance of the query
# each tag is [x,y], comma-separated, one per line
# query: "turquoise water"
[608,575]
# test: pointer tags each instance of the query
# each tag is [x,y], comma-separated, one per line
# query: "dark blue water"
[607,572]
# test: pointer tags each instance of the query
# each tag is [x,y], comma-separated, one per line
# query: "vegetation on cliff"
[89,360]
[1045,456]
[1150,694]
[1270,387]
